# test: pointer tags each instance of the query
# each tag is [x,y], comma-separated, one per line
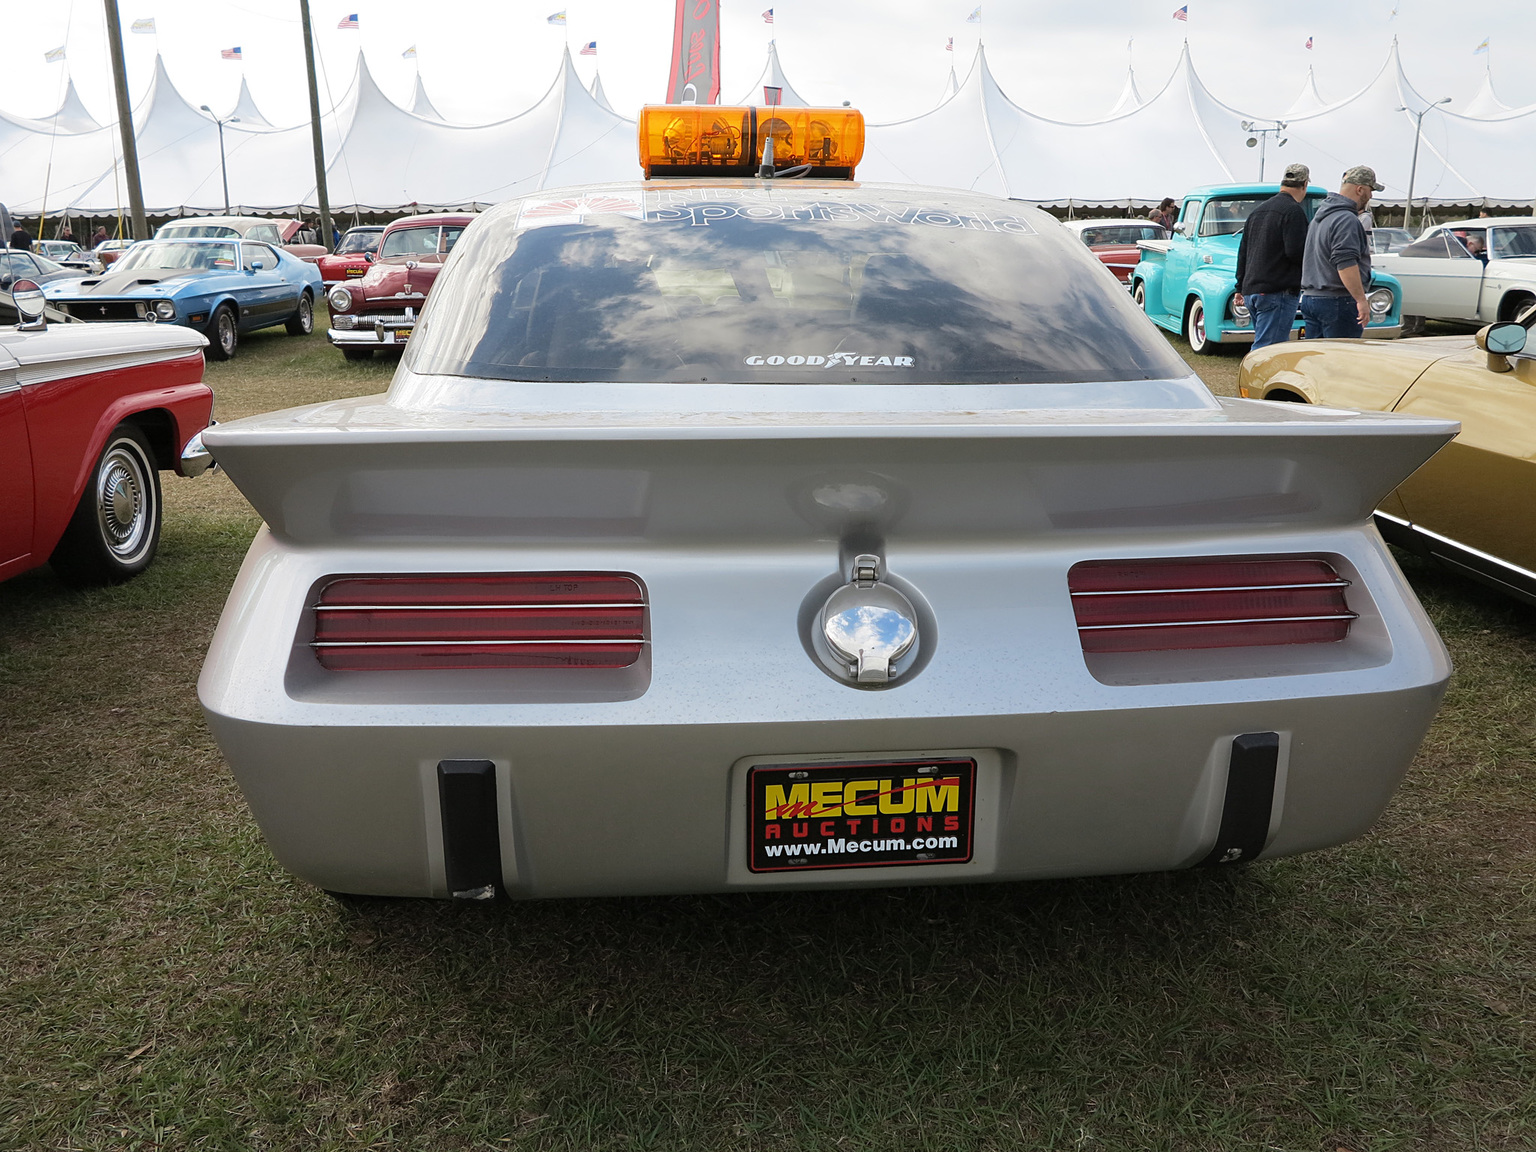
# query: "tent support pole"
[318,139]
[125,121]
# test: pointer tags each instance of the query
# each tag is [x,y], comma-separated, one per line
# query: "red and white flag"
[1309,43]
[950,47]
[349,22]
[589,49]
[231,54]
[1182,13]
[768,16]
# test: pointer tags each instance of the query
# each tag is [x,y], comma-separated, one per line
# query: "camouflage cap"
[1296,176]
[1363,176]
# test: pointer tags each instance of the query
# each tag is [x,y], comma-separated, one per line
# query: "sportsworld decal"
[832,360]
[703,215]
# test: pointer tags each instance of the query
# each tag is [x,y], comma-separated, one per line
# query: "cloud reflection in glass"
[870,637]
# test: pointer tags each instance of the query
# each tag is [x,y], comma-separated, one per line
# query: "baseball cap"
[1366,177]
[1296,176]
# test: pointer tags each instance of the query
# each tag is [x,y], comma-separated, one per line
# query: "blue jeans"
[1273,314]
[1330,318]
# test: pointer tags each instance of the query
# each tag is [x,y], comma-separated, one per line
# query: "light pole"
[223,168]
[1261,137]
[1413,169]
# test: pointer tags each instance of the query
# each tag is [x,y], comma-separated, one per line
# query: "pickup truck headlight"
[165,310]
[1381,302]
[339,298]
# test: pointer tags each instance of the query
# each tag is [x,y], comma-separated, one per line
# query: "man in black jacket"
[1269,259]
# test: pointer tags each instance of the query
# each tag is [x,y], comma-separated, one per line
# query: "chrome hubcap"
[122,503]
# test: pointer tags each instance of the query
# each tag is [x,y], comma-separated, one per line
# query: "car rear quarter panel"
[1336,373]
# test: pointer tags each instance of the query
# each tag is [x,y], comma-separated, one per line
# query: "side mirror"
[257,265]
[368,256]
[1501,341]
[30,304]
[1182,228]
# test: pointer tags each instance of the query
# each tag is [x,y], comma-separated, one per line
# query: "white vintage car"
[722,534]
[1470,271]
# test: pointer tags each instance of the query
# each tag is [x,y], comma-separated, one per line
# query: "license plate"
[871,814]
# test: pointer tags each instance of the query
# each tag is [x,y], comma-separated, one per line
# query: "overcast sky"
[489,59]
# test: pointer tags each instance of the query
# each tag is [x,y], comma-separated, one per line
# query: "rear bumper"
[644,791]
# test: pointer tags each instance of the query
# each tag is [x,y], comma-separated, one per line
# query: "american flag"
[231,54]
[768,16]
[590,49]
[950,47]
[1182,13]
[349,22]
[1309,42]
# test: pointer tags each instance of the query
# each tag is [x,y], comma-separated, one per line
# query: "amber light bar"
[492,621]
[1166,605]
[706,140]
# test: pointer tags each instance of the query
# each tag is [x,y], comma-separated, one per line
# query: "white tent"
[421,105]
[773,77]
[245,108]
[1130,95]
[1308,102]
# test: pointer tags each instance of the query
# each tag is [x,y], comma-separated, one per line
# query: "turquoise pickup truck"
[1186,283]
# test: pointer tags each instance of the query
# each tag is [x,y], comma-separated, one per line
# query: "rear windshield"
[1227,217]
[196,232]
[1121,233]
[784,290]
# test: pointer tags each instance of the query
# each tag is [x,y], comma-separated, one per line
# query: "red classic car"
[379,311]
[89,416]
[353,255]
[1113,241]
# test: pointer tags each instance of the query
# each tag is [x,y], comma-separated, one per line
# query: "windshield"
[354,242]
[800,291]
[152,254]
[1518,240]
[421,241]
[1227,217]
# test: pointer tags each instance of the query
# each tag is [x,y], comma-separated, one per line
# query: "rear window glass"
[196,232]
[421,241]
[1121,233]
[783,290]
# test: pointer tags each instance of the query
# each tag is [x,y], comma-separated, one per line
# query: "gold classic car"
[1472,507]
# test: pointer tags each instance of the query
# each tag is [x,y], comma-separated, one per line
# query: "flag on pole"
[349,21]
[1182,13]
[231,54]
[768,16]
[590,49]
[1481,48]
[147,26]
[54,55]
[950,47]
[409,53]
[1309,43]
[974,17]
[557,18]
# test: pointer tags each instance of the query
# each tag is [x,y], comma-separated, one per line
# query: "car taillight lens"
[1164,605]
[514,620]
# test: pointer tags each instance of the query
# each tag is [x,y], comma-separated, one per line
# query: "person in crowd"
[1167,213]
[68,234]
[21,238]
[98,237]
[1269,259]
[1336,266]
[1477,247]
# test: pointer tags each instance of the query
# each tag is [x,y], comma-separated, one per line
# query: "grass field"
[163,984]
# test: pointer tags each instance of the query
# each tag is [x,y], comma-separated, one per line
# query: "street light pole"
[223,167]
[1413,169]
[1261,138]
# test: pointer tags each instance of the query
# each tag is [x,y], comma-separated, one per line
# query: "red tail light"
[1162,605]
[520,620]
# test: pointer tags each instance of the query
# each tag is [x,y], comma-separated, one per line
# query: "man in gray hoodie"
[1336,267]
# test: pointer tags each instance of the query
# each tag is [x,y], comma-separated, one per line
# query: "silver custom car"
[729,535]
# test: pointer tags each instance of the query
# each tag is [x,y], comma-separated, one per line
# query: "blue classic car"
[1186,283]
[219,287]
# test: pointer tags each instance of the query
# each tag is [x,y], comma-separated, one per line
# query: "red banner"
[695,53]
